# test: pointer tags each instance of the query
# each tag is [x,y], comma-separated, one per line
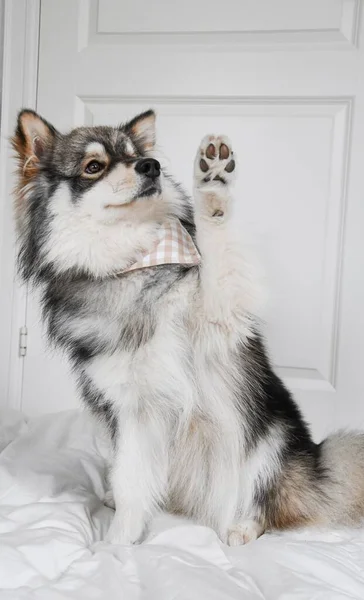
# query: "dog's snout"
[149,167]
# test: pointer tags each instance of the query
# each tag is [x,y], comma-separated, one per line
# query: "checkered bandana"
[174,246]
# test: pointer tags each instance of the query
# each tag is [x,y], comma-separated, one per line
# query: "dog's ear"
[33,137]
[142,130]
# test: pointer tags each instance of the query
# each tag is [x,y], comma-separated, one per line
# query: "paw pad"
[210,151]
[215,160]
[204,166]
[224,152]
[231,166]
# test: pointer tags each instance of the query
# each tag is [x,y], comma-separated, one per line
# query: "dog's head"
[90,199]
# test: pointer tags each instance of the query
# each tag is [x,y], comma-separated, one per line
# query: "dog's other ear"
[142,130]
[33,137]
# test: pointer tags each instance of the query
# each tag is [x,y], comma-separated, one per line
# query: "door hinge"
[23,341]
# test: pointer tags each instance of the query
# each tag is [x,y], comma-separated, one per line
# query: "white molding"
[304,379]
[85,14]
[19,89]
[31,52]
[350,20]
[334,243]
[254,101]
[343,37]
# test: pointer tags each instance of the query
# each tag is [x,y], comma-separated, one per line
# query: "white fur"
[139,475]
[174,377]
[87,236]
[95,148]
[129,148]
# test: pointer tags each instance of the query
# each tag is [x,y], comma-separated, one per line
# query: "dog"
[170,356]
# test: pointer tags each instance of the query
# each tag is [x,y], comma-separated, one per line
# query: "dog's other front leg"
[228,293]
[138,476]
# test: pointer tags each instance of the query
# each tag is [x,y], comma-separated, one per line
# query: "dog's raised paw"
[215,161]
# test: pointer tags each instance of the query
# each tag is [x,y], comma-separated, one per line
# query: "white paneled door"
[285,80]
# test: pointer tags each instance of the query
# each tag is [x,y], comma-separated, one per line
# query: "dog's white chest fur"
[174,383]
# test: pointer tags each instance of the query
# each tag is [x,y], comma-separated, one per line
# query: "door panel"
[281,79]
[207,16]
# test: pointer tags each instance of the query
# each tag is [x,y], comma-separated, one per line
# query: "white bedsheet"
[52,523]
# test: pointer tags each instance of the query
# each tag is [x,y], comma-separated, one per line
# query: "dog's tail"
[341,458]
[323,489]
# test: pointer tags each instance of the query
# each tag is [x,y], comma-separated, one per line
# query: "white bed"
[52,522]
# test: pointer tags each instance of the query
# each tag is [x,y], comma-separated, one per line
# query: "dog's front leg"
[138,477]
[228,293]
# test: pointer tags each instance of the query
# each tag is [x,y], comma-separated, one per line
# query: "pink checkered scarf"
[174,246]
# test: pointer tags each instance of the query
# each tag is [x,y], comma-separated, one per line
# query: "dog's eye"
[94,167]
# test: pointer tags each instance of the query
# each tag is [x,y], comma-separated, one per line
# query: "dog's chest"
[160,358]
[148,353]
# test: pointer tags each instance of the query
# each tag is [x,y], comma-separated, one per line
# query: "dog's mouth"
[148,190]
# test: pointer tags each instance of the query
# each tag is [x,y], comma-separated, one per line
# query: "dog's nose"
[149,167]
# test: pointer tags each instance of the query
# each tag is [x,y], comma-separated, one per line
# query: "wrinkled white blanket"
[52,523]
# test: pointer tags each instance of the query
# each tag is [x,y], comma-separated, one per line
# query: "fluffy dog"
[170,356]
